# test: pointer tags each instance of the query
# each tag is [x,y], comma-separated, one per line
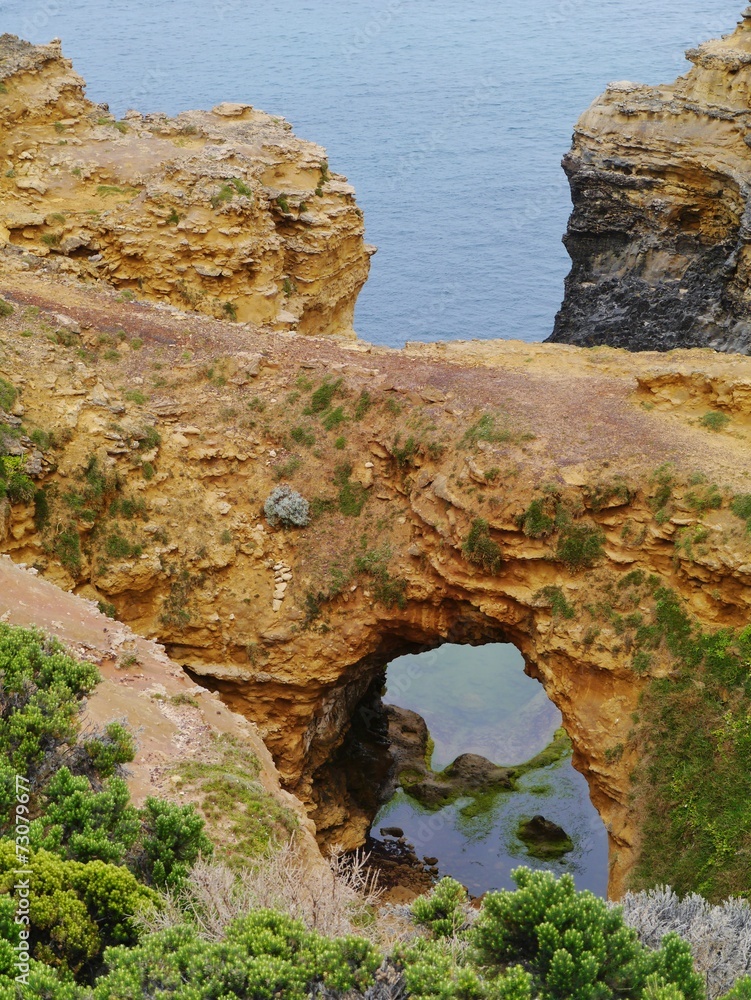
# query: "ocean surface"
[450,120]
[479,700]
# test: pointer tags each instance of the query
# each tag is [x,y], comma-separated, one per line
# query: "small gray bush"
[719,936]
[286,506]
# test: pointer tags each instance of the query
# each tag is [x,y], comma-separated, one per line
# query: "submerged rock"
[544,839]
[476,773]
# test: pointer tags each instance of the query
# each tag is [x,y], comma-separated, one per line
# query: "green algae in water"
[476,838]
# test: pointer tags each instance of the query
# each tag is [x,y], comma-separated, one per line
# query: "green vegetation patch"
[662,483]
[741,507]
[580,544]
[321,399]
[556,600]
[714,420]
[243,818]
[352,496]
[694,778]
[538,520]
[480,548]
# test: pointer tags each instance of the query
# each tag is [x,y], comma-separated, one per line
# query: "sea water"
[449,118]
[479,700]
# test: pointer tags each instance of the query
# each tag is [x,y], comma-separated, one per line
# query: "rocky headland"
[222,211]
[590,506]
[659,233]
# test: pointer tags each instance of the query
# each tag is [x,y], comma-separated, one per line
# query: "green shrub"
[334,418]
[558,603]
[173,841]
[480,548]
[536,522]
[44,440]
[6,309]
[118,547]
[405,453]
[634,578]
[266,956]
[82,825]
[704,499]
[352,496]
[321,398]
[485,430]
[714,420]
[387,589]
[443,910]
[603,494]
[741,507]
[574,946]
[41,509]
[41,689]
[150,438]
[8,392]
[19,488]
[363,404]
[662,482]
[302,436]
[77,910]
[580,544]
[741,990]
[67,548]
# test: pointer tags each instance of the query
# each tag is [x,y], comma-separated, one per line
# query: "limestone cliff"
[223,211]
[444,481]
[659,234]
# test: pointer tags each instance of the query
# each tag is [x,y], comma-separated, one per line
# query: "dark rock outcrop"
[660,229]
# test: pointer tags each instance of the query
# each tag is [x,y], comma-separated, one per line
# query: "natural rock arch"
[482,491]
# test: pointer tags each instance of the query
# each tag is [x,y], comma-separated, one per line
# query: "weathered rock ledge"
[661,186]
[224,211]
[170,431]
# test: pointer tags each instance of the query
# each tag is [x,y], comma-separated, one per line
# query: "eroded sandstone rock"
[659,235]
[179,545]
[224,211]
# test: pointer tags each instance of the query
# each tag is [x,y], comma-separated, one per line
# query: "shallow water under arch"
[479,700]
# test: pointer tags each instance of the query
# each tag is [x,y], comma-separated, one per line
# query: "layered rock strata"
[224,211]
[659,235]
[154,440]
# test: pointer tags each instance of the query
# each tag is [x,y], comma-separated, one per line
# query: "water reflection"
[478,700]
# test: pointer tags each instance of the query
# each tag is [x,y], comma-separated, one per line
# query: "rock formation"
[462,492]
[659,234]
[430,473]
[222,211]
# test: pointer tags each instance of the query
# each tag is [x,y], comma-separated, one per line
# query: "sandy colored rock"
[224,211]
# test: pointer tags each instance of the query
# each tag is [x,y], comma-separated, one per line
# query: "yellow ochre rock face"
[222,211]
[421,467]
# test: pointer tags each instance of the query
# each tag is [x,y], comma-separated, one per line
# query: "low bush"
[480,548]
[287,507]
[580,544]
[264,955]
[537,521]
